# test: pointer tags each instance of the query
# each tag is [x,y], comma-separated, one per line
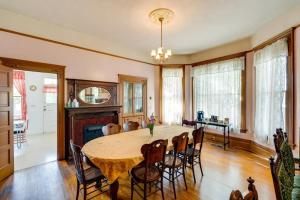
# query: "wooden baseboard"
[240,143]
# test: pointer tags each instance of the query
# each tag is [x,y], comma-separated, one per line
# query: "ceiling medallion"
[161,16]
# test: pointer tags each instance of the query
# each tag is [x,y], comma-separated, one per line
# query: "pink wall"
[79,63]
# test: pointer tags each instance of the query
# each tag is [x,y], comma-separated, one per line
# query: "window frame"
[243,128]
[161,85]
[134,80]
[290,98]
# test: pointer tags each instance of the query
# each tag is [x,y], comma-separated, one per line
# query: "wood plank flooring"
[223,172]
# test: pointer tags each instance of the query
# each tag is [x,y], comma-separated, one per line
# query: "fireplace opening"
[91,132]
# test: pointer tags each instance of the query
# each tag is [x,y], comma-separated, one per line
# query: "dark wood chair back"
[180,142]
[189,123]
[78,161]
[111,129]
[154,152]
[276,166]
[198,136]
[130,126]
[278,139]
[251,195]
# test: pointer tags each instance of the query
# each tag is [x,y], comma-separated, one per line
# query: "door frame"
[59,70]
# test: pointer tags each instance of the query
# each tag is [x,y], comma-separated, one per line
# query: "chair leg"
[77,191]
[162,188]
[183,173]
[193,171]
[200,165]
[132,189]
[84,192]
[173,182]
[145,191]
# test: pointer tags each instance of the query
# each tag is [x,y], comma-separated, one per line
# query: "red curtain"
[19,83]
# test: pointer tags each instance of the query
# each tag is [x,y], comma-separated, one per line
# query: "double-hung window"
[271,66]
[217,90]
[172,95]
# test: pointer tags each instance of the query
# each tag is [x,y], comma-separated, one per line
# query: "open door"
[6,122]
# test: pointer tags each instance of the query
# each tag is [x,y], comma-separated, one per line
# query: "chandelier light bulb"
[166,56]
[157,57]
[169,52]
[153,53]
[160,50]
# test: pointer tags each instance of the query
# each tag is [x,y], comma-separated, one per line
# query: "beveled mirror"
[94,95]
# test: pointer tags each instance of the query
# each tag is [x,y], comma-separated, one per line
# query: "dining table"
[115,155]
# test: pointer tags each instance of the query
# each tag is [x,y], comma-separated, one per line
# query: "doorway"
[7,65]
[35,118]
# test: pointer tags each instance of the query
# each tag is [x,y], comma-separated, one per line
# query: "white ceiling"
[197,25]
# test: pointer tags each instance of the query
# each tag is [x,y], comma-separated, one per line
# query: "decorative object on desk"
[214,118]
[32,88]
[226,120]
[151,124]
[200,115]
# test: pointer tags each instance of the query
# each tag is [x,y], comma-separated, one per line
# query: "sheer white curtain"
[271,86]
[217,90]
[172,97]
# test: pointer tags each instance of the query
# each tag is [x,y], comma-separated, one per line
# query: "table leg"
[228,136]
[113,188]
[224,132]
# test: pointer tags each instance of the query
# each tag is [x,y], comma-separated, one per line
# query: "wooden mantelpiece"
[89,113]
[77,118]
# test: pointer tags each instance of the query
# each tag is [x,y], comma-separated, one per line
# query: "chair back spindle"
[78,161]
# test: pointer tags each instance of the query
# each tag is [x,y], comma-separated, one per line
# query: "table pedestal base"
[114,187]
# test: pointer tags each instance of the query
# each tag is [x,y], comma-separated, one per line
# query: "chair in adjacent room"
[194,153]
[150,171]
[130,126]
[88,177]
[111,129]
[176,160]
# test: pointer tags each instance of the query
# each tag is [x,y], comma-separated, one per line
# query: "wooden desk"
[224,125]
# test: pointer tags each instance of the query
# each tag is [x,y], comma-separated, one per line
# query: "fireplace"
[88,119]
[98,107]
[91,132]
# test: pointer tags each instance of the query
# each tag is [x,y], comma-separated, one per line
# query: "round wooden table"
[116,154]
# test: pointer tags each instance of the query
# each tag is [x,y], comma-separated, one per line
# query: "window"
[217,90]
[172,95]
[17,104]
[133,97]
[271,65]
[50,90]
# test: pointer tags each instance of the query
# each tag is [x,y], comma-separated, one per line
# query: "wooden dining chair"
[111,129]
[150,171]
[176,159]
[130,126]
[88,177]
[194,153]
[189,123]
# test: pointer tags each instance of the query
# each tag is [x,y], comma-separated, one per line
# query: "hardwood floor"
[223,172]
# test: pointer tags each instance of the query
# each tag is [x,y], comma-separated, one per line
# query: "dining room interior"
[150,99]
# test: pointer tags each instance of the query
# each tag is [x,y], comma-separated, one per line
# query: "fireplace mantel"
[89,113]
[78,118]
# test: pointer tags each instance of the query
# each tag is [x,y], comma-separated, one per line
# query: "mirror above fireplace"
[94,95]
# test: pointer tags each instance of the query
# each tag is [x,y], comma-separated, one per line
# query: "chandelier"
[161,16]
